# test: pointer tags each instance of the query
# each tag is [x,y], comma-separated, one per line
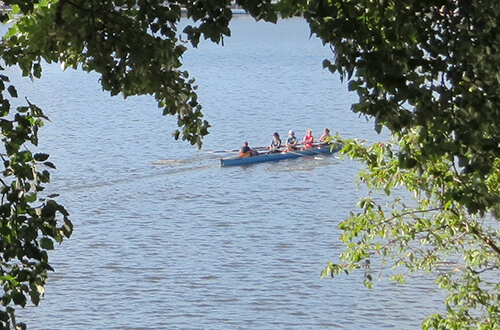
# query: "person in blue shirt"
[291,142]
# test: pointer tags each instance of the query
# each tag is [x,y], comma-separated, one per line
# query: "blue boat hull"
[273,157]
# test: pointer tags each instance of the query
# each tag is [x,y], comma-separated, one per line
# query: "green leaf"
[49,164]
[40,157]
[4,316]
[46,243]
[19,298]
[35,296]
[12,91]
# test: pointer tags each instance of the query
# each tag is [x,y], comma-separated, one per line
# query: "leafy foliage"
[134,45]
[428,71]
[137,49]
[423,232]
[29,224]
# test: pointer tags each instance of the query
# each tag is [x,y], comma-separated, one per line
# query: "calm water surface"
[167,239]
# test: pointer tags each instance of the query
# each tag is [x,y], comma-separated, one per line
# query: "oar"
[311,156]
[233,150]
[219,151]
[302,155]
[261,148]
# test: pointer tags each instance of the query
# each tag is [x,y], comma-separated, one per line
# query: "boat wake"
[172,167]
[176,162]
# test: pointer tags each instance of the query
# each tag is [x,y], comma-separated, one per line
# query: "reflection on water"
[165,238]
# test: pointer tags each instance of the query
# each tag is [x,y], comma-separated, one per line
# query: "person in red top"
[308,140]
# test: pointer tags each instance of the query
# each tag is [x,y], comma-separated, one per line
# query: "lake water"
[165,238]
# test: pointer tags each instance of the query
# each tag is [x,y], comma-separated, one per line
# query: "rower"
[308,140]
[325,138]
[275,143]
[291,142]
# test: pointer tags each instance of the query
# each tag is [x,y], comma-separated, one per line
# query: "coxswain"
[245,150]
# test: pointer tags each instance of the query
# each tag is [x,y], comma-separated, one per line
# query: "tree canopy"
[429,72]
[426,70]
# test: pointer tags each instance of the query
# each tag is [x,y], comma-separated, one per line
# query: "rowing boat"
[272,157]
